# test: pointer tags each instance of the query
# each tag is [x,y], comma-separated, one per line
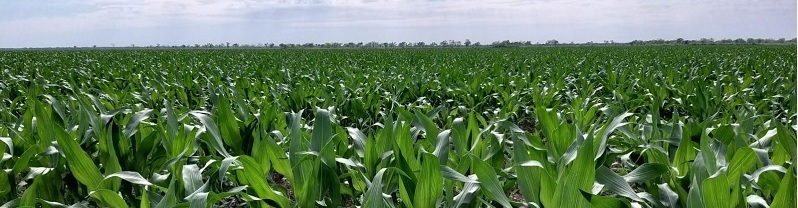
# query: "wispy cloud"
[619,19]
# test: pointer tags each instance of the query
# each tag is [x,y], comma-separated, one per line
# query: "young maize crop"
[649,126]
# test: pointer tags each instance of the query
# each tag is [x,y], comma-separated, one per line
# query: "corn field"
[648,126]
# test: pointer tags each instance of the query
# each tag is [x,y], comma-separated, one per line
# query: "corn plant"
[649,126]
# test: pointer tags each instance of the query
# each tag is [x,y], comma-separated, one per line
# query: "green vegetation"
[656,126]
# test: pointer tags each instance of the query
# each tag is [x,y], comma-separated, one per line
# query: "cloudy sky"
[45,23]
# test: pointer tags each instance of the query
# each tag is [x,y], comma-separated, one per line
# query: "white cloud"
[580,20]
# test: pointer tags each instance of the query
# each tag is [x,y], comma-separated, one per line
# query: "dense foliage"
[657,126]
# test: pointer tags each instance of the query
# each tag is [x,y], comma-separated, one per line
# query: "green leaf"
[30,195]
[198,200]
[430,185]
[459,137]
[132,125]
[12,204]
[429,127]
[614,124]
[192,178]
[744,159]
[615,183]
[762,170]
[667,196]
[228,126]
[452,174]
[9,144]
[21,163]
[756,201]
[252,173]
[442,147]
[129,176]
[684,154]
[527,184]
[466,195]
[359,140]
[765,141]
[787,139]
[488,182]
[108,198]
[715,191]
[277,157]
[170,197]
[577,176]
[322,130]
[374,196]
[785,196]
[171,121]
[694,198]
[226,163]
[216,142]
[646,172]
[605,201]
[78,161]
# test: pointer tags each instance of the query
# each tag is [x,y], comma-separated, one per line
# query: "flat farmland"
[622,126]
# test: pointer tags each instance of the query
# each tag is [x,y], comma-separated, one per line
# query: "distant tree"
[467,42]
[421,44]
[739,41]
[372,44]
[94,46]
[477,44]
[555,42]
[444,43]
[781,40]
[235,45]
[679,40]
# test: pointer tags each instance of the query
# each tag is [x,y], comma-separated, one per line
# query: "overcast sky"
[45,23]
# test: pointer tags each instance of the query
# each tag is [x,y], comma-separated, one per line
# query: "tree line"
[469,43]
[503,43]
